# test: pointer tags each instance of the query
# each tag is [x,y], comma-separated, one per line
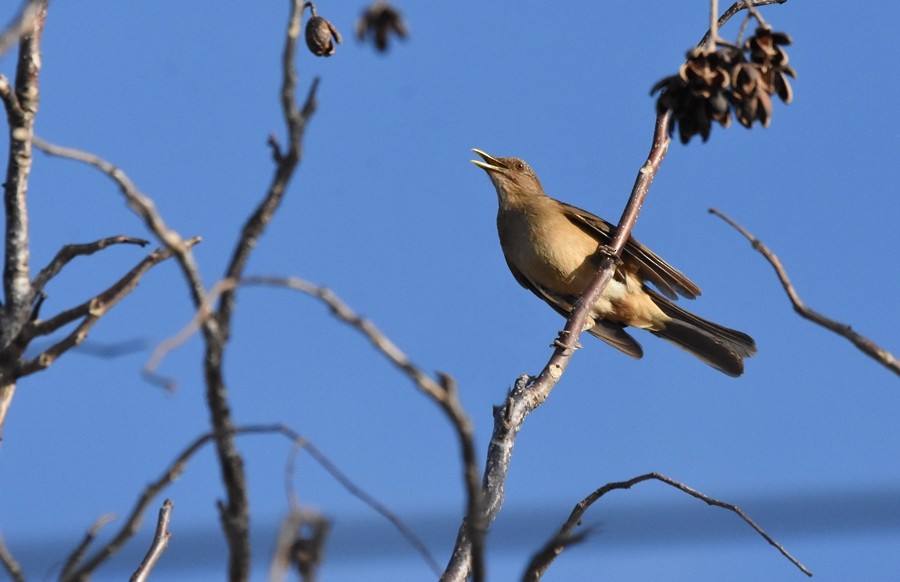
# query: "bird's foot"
[566,341]
[607,251]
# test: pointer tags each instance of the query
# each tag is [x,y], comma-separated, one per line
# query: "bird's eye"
[520,166]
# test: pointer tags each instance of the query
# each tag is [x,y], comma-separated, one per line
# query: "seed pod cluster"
[714,82]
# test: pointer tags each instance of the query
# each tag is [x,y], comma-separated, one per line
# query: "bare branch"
[144,207]
[556,545]
[81,549]
[286,162]
[160,542]
[864,344]
[443,391]
[91,311]
[69,252]
[235,514]
[133,522]
[732,11]
[20,112]
[12,566]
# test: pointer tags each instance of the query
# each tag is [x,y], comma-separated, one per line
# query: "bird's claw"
[566,341]
[607,251]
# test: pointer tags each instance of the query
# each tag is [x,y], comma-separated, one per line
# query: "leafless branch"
[235,512]
[143,206]
[286,161]
[530,392]
[69,252]
[555,546]
[89,312]
[732,11]
[864,344]
[81,549]
[376,505]
[21,108]
[83,571]
[443,390]
[160,542]
[12,566]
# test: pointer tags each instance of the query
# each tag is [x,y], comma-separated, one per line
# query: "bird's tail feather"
[720,347]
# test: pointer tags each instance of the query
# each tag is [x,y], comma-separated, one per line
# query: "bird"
[553,249]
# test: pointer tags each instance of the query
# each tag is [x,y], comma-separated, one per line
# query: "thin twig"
[557,544]
[81,549]
[159,545]
[143,206]
[864,344]
[69,252]
[734,9]
[443,391]
[89,312]
[83,571]
[12,566]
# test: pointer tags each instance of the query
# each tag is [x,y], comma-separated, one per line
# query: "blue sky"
[387,211]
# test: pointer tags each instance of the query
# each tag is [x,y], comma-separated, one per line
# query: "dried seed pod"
[379,21]
[697,94]
[321,36]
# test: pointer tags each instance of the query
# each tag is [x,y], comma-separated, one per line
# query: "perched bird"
[552,250]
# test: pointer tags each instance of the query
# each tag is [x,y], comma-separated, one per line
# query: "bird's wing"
[670,281]
[609,331]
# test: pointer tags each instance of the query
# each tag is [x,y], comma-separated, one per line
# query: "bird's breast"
[548,249]
[558,256]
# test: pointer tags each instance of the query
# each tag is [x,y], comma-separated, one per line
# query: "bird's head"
[512,177]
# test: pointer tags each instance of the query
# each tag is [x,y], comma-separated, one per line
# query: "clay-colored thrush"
[552,249]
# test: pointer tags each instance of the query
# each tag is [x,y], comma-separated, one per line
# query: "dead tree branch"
[234,512]
[564,537]
[864,344]
[21,105]
[443,390]
[91,311]
[159,545]
[69,252]
[81,549]
[80,569]
[10,564]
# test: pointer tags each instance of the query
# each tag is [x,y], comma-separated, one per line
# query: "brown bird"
[552,249]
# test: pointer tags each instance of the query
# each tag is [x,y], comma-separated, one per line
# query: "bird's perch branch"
[530,392]
[865,345]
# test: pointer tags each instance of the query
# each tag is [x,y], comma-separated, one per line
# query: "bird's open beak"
[490,163]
